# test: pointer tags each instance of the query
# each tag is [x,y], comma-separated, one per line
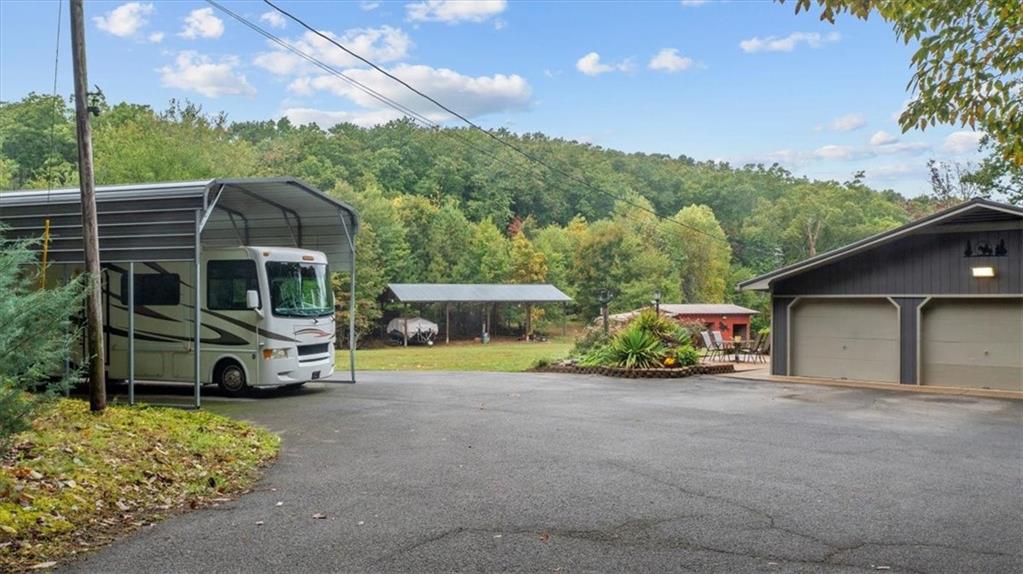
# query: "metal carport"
[173,222]
[484,294]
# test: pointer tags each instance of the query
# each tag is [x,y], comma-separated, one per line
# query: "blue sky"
[734,81]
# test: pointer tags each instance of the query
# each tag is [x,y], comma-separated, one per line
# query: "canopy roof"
[476,293]
[971,212]
[160,221]
[682,309]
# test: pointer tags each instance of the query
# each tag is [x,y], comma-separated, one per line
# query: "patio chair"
[723,346]
[711,349]
[749,348]
[757,353]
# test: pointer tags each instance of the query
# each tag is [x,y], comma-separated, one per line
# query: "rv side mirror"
[252,299]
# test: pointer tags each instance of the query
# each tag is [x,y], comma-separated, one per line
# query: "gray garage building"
[938,301]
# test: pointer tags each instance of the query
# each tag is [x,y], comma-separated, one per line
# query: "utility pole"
[90,231]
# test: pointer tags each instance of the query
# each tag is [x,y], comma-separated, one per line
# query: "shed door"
[976,343]
[856,339]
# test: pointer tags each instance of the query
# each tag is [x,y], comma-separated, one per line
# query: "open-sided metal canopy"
[157,222]
[476,293]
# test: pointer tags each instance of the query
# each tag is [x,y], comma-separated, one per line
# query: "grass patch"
[77,480]
[461,356]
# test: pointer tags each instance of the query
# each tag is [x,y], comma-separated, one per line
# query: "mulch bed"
[674,373]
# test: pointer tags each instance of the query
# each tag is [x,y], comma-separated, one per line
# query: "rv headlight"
[275,353]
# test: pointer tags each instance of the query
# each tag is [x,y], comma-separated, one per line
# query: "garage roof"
[158,221]
[476,293]
[974,211]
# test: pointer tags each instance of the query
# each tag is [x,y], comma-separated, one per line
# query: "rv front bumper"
[292,370]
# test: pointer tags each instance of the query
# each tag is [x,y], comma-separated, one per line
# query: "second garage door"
[972,343]
[855,339]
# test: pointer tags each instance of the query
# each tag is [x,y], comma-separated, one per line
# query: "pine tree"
[35,331]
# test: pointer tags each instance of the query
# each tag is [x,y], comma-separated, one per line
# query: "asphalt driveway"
[423,472]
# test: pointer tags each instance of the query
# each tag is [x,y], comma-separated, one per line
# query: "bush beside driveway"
[472,471]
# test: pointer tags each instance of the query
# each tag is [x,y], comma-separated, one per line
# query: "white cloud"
[368,6]
[155,37]
[787,43]
[669,60]
[384,44]
[962,142]
[848,152]
[274,19]
[202,23]
[327,119]
[848,123]
[591,65]
[908,148]
[551,73]
[453,11]
[125,20]
[836,152]
[198,73]
[470,96]
[693,3]
[882,138]
[894,171]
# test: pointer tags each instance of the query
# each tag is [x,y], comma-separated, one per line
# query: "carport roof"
[976,210]
[160,221]
[476,293]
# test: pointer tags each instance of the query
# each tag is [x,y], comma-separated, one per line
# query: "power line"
[404,110]
[53,116]
[476,126]
[420,118]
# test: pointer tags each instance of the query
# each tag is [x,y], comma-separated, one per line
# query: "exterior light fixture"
[657,302]
[983,271]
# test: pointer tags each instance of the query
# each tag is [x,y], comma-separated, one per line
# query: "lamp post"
[605,298]
[657,302]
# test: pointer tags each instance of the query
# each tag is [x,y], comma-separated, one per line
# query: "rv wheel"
[231,379]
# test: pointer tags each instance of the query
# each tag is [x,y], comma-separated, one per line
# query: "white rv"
[267,318]
[265,314]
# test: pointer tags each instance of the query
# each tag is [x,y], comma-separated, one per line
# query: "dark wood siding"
[779,335]
[907,338]
[927,264]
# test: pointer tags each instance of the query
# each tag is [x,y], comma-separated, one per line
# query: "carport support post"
[447,323]
[198,307]
[131,333]
[351,295]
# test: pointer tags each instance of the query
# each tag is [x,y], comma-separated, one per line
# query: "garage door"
[856,339]
[975,343]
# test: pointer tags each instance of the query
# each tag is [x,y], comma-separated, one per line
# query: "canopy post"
[351,296]
[131,333]
[447,323]
[198,309]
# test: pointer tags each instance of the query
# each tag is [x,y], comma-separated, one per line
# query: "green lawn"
[460,356]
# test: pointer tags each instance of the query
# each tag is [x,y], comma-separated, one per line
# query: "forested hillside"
[453,205]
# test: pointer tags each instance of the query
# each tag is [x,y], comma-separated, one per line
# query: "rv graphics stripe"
[224,338]
[249,327]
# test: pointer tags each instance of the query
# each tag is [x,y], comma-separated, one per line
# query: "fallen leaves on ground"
[77,480]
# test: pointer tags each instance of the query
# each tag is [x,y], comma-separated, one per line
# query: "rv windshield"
[299,289]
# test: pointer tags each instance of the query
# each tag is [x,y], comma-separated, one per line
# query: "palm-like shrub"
[657,325]
[635,348]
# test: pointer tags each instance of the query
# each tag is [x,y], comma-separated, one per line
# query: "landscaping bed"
[650,373]
[76,480]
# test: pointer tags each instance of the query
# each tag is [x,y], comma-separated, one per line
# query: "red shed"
[732,320]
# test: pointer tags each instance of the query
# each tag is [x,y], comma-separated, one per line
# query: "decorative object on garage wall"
[983,249]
